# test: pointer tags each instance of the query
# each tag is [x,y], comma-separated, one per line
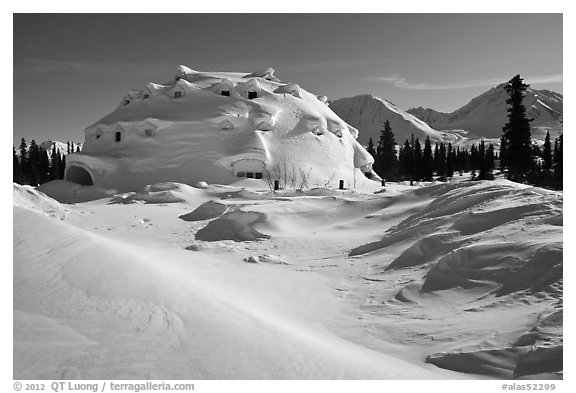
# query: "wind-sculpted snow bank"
[219,127]
[237,225]
[91,307]
[499,242]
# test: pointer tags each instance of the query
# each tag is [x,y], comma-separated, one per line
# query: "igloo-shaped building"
[218,127]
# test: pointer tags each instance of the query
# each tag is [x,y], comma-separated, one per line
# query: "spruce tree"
[24,167]
[62,167]
[406,161]
[387,152]
[427,161]
[547,157]
[33,163]
[437,159]
[442,161]
[450,159]
[557,179]
[44,166]
[517,137]
[16,169]
[370,148]
[417,162]
[485,160]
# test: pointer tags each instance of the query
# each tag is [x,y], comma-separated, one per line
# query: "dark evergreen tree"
[557,179]
[24,166]
[485,163]
[43,166]
[33,163]
[16,169]
[417,171]
[517,138]
[442,161]
[387,153]
[68,148]
[62,167]
[370,148]
[474,158]
[406,161]
[450,160]
[427,161]
[490,157]
[436,159]
[547,157]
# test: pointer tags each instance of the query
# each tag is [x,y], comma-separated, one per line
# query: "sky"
[69,70]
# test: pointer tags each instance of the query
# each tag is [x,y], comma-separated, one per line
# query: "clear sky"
[72,69]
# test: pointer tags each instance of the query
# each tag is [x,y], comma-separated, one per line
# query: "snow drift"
[439,280]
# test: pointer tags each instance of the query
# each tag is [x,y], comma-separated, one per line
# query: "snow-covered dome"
[218,128]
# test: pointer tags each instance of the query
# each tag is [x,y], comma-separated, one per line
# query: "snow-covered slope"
[230,282]
[485,115]
[368,113]
[217,127]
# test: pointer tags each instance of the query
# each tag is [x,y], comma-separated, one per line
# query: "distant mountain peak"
[486,114]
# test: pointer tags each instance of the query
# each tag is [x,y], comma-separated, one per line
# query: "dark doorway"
[79,175]
[252,95]
[118,136]
[225,93]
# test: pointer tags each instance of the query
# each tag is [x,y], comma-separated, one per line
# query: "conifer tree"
[417,162]
[24,167]
[406,161]
[557,179]
[427,161]
[442,161]
[62,167]
[43,166]
[547,156]
[16,169]
[485,163]
[450,160]
[517,137]
[370,148]
[436,159]
[387,152]
[33,163]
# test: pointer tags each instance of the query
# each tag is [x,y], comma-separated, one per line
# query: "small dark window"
[225,93]
[146,96]
[241,174]
[252,95]
[118,136]
[126,101]
[250,175]
[177,94]
[258,175]
[97,136]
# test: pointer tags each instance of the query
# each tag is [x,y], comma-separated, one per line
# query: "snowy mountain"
[61,146]
[485,115]
[219,127]
[368,113]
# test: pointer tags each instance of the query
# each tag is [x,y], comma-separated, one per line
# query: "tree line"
[33,165]
[414,162]
[520,159]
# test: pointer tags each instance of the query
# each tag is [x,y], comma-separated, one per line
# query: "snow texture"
[431,281]
[218,127]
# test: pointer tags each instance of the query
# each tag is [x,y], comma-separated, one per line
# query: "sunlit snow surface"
[216,127]
[436,281]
